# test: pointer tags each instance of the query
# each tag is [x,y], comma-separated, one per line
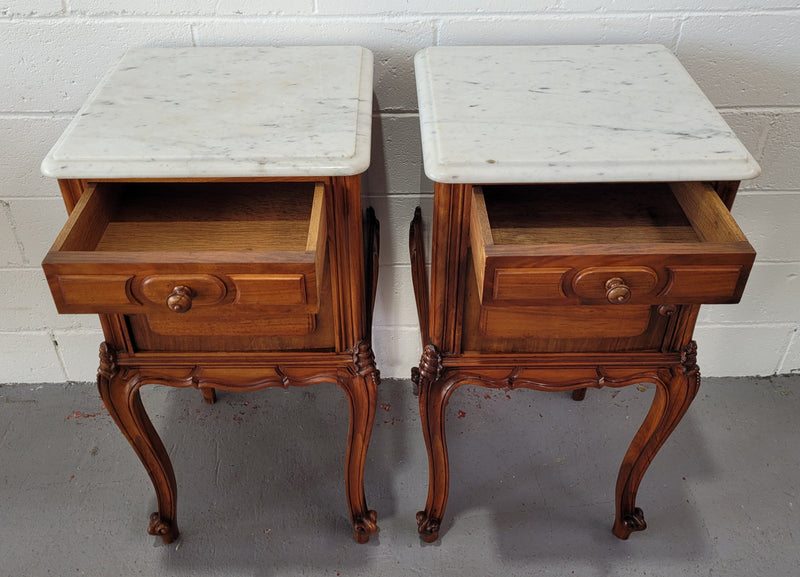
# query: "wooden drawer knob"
[180,300]
[617,292]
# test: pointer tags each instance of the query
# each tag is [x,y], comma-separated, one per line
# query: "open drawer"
[606,244]
[140,248]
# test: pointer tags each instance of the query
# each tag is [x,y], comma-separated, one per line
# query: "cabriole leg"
[361,388]
[119,389]
[675,390]
[435,388]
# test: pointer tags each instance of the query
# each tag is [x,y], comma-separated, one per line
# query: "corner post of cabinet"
[71,190]
[726,190]
[680,328]
[451,210]
[347,262]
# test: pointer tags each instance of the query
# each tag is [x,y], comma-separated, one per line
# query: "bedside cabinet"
[581,216]
[216,227]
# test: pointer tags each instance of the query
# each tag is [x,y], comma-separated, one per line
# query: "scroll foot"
[428,527]
[162,528]
[365,526]
[630,523]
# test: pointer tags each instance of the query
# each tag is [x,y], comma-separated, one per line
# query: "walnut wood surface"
[71,191]
[450,243]
[667,242]
[520,294]
[419,275]
[542,328]
[249,328]
[609,213]
[274,273]
[372,251]
[263,243]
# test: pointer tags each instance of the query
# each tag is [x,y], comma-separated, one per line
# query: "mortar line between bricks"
[764,134]
[36,115]
[20,268]
[13,226]
[396,265]
[397,15]
[751,192]
[71,15]
[777,108]
[25,332]
[52,197]
[678,35]
[398,112]
[775,262]
[59,356]
[743,325]
[780,368]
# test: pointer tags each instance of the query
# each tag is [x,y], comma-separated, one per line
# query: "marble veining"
[223,112]
[608,113]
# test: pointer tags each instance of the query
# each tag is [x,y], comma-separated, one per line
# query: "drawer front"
[560,329]
[179,293]
[124,251]
[698,256]
[236,326]
[672,281]
[511,284]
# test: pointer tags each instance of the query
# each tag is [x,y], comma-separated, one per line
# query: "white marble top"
[570,114]
[223,112]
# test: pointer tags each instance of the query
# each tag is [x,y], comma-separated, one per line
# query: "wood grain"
[641,233]
[526,303]
[608,214]
[278,300]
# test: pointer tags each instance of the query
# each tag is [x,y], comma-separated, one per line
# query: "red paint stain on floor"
[79,415]
[461,414]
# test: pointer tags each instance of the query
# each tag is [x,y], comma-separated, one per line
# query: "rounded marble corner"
[752,171]
[420,55]
[359,165]
[440,173]
[48,168]
[368,58]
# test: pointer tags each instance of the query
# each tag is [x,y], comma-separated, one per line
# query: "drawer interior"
[607,213]
[180,217]
[585,214]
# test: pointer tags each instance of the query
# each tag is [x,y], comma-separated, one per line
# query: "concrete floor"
[261,484]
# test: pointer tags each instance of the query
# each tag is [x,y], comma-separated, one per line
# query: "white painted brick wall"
[745,54]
